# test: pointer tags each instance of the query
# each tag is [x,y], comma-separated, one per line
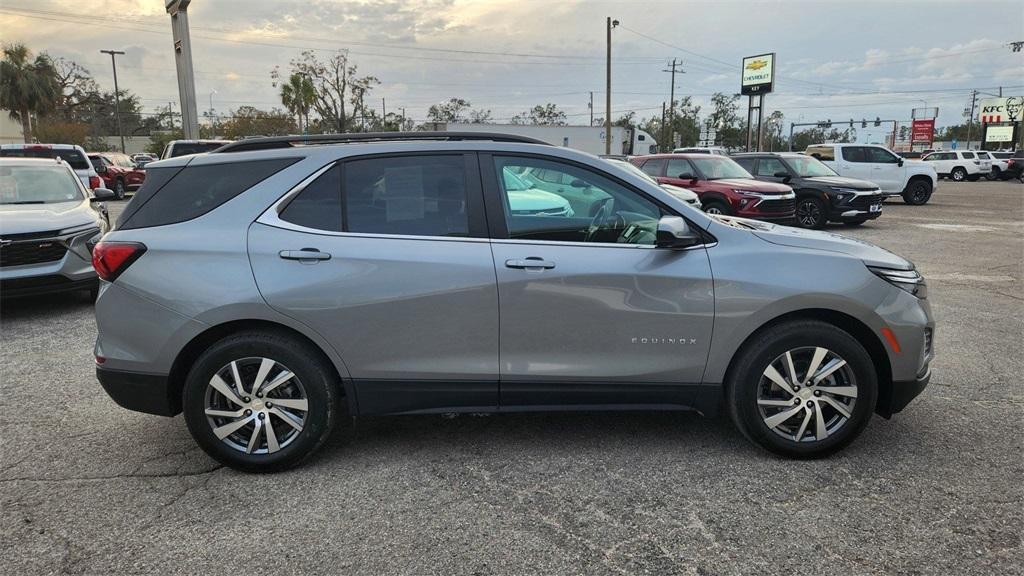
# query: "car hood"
[816,240]
[843,182]
[534,199]
[754,185]
[685,194]
[27,218]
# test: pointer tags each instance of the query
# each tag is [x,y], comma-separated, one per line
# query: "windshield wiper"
[27,202]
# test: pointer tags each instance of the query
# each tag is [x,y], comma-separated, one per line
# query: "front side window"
[719,167]
[678,167]
[880,155]
[770,167]
[408,195]
[591,208]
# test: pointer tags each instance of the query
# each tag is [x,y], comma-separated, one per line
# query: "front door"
[387,259]
[591,312]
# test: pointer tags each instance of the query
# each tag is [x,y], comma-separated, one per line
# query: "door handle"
[304,255]
[531,263]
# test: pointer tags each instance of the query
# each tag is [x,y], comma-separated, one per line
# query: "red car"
[723,185]
[118,172]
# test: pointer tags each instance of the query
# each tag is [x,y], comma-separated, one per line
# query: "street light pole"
[117,95]
[609,24]
[213,118]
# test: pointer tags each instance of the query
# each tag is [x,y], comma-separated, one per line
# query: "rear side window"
[747,163]
[409,195]
[968,155]
[822,152]
[194,190]
[318,206]
[654,167]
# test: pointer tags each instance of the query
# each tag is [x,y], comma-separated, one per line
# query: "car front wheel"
[715,207]
[260,401]
[810,213]
[802,389]
[918,192]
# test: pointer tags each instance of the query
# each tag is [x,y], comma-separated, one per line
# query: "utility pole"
[609,24]
[383,115]
[591,107]
[117,93]
[672,103]
[970,119]
[170,114]
[178,9]
[213,118]
[401,126]
[662,135]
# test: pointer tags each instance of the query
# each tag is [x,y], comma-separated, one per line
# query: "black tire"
[716,207]
[958,174]
[994,175]
[318,380]
[119,189]
[853,222]
[974,178]
[811,212]
[745,377]
[94,293]
[918,192]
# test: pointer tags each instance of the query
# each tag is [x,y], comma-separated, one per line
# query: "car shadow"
[20,307]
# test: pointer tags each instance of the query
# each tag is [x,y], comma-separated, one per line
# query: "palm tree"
[297,96]
[27,86]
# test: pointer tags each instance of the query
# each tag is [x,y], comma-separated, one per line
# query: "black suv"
[821,194]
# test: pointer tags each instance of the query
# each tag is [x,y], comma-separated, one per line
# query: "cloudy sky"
[835,59]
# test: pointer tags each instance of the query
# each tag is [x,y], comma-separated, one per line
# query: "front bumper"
[895,398]
[149,393]
[71,271]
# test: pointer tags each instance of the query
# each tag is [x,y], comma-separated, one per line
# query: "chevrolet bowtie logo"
[757,64]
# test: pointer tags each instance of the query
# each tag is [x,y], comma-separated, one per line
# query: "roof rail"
[275,142]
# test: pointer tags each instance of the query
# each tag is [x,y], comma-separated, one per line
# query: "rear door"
[591,312]
[387,258]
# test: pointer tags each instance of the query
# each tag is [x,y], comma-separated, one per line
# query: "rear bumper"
[149,393]
[897,396]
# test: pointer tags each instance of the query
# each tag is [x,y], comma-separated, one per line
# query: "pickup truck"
[912,179]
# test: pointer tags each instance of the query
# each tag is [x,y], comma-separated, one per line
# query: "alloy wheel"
[808,213]
[713,210]
[256,405]
[807,394]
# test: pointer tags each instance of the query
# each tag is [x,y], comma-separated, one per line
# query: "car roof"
[41,146]
[682,155]
[8,161]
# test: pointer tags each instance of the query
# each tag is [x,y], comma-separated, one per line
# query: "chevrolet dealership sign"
[996,110]
[758,74]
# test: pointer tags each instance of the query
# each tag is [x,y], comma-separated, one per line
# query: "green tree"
[27,86]
[543,115]
[251,121]
[297,96]
[337,89]
[454,110]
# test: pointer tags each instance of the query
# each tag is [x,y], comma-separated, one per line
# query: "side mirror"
[784,175]
[101,169]
[102,194]
[675,234]
[899,162]
[577,183]
[685,176]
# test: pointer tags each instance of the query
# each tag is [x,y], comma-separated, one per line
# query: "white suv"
[912,179]
[1000,162]
[71,154]
[960,165]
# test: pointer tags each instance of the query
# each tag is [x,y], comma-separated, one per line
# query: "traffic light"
[878,121]
[851,122]
[863,123]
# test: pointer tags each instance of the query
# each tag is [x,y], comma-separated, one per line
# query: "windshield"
[38,185]
[718,167]
[807,167]
[74,158]
[513,182]
[633,169]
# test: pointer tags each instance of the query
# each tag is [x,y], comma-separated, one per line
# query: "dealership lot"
[87,487]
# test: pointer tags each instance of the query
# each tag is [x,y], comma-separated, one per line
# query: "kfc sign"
[995,110]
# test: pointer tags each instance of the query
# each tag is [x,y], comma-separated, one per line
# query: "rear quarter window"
[822,152]
[178,195]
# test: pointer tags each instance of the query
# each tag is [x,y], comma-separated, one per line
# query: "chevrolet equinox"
[271,286]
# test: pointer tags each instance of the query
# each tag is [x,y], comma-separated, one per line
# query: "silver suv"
[269,287]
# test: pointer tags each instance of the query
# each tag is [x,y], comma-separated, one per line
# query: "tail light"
[94,182]
[110,259]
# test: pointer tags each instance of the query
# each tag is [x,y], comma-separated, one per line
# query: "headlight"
[749,193]
[843,190]
[908,280]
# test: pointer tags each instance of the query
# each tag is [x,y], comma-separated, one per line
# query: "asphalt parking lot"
[87,487]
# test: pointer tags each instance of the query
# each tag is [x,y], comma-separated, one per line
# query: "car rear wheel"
[716,207]
[810,212]
[119,189]
[260,401]
[802,389]
[994,174]
[958,174]
[918,192]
